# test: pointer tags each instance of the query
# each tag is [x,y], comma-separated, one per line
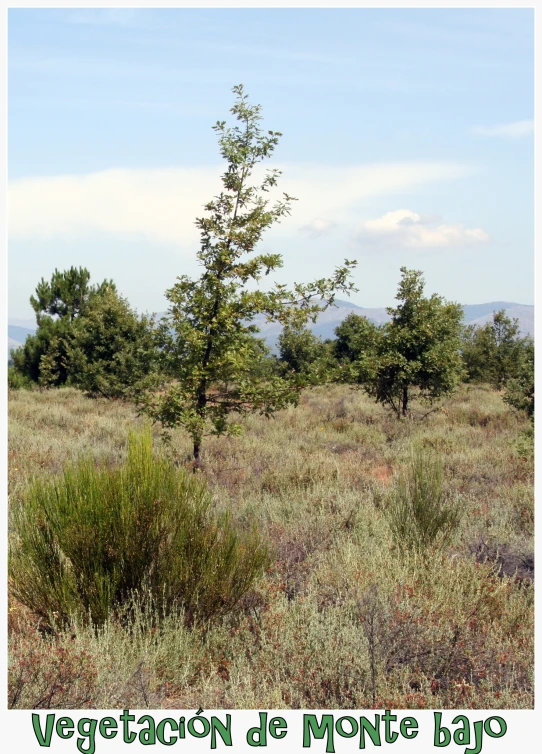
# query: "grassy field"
[343,618]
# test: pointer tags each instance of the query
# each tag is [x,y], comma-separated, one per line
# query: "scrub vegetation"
[347,524]
[353,610]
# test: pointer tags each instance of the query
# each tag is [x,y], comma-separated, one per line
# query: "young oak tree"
[356,337]
[493,352]
[304,353]
[418,348]
[208,343]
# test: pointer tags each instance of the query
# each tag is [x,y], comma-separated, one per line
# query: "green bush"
[420,512]
[17,381]
[496,352]
[86,542]
[524,443]
[112,349]
[519,391]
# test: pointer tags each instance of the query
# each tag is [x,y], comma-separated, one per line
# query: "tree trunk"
[197,437]
[196,452]
[405,400]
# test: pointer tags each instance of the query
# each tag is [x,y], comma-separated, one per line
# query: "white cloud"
[161,205]
[318,227]
[406,229]
[337,193]
[518,128]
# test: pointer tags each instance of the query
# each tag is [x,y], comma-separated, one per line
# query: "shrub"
[524,444]
[420,512]
[17,381]
[87,541]
[45,673]
[520,388]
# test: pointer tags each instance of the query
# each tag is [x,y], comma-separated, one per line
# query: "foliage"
[491,353]
[525,443]
[87,541]
[356,337]
[66,294]
[356,350]
[418,348]
[519,391]
[420,513]
[447,634]
[58,303]
[208,341]
[303,353]
[43,359]
[44,673]
[16,381]
[87,336]
[112,349]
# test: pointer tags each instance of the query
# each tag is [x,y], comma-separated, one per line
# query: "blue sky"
[407,139]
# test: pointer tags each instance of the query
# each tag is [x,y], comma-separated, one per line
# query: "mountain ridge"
[474,314]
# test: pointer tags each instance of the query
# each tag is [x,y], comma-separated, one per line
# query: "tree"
[208,342]
[492,352]
[58,304]
[476,346]
[418,348]
[355,336]
[66,294]
[519,391]
[355,349]
[304,353]
[112,350]
[43,357]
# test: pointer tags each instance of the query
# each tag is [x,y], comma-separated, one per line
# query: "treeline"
[89,337]
[425,346]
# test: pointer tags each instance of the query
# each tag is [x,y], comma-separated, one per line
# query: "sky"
[407,141]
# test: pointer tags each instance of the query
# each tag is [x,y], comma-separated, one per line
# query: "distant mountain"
[12,344]
[479,314]
[17,335]
[476,314]
[28,324]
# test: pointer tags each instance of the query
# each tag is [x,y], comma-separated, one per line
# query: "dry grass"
[343,618]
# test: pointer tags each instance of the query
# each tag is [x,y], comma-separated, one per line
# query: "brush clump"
[86,541]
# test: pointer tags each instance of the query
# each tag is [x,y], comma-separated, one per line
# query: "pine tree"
[59,303]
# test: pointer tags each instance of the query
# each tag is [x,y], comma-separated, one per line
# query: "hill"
[17,336]
[477,314]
